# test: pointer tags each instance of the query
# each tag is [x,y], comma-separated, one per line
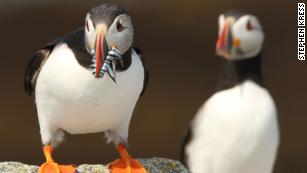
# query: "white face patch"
[90,33]
[248,30]
[120,33]
[221,22]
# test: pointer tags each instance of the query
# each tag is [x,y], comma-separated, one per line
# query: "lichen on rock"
[85,168]
[153,165]
[16,167]
[160,165]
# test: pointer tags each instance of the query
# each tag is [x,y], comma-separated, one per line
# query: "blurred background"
[178,39]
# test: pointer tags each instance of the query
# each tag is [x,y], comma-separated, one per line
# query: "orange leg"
[126,164]
[51,167]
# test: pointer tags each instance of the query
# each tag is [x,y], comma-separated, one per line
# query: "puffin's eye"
[249,26]
[87,26]
[119,27]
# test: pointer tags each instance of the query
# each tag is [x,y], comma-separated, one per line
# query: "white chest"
[235,131]
[70,97]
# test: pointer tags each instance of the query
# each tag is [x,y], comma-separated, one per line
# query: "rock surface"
[153,165]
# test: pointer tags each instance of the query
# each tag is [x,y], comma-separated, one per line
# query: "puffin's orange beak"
[101,29]
[221,39]
[223,44]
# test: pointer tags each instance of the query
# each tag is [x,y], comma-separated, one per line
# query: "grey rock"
[16,167]
[161,165]
[153,165]
[85,168]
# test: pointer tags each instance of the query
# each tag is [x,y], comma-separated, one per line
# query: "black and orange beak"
[101,30]
[224,42]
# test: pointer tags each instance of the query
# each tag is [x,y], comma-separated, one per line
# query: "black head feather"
[235,13]
[105,12]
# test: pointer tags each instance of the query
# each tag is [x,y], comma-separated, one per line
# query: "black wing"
[146,73]
[74,40]
[186,140]
[34,66]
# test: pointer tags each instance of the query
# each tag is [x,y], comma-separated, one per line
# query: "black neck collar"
[235,72]
[127,59]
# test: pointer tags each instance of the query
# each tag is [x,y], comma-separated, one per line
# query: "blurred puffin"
[89,81]
[236,130]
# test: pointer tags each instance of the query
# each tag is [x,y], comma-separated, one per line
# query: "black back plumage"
[146,72]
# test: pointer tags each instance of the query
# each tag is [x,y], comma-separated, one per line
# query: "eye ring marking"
[119,26]
[249,26]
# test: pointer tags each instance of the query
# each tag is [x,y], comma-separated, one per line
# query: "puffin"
[236,129]
[89,81]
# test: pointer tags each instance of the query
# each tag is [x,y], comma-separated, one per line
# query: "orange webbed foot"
[126,164]
[51,167]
